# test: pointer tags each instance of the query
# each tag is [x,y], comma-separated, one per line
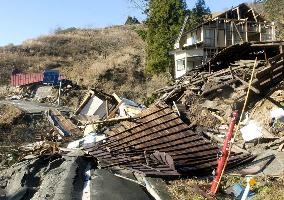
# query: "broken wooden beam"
[117,119]
[235,148]
[84,102]
[247,84]
[112,113]
[221,85]
[275,58]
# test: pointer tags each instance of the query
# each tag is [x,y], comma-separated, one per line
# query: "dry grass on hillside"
[78,48]
[111,58]
[8,114]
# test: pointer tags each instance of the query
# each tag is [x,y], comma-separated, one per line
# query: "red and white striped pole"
[222,160]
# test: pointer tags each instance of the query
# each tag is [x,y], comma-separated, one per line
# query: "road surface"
[31,107]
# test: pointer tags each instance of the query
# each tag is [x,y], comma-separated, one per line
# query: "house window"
[190,65]
[209,53]
[180,64]
[193,62]
[209,37]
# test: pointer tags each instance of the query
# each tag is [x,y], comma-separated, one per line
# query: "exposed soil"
[9,115]
[18,129]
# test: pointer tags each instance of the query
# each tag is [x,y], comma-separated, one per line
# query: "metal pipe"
[224,154]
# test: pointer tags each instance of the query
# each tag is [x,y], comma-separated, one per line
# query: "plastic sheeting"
[251,131]
[91,138]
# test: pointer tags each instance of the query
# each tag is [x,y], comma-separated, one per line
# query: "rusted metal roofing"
[25,79]
[20,79]
[159,143]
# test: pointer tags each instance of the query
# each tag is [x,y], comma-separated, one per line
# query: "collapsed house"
[219,65]
[214,64]
[174,136]
[158,143]
[240,24]
[99,107]
[97,103]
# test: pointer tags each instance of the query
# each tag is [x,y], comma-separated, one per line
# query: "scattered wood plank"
[235,148]
[275,58]
[247,84]
[219,87]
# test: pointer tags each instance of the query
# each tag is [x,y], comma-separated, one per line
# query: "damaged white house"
[238,25]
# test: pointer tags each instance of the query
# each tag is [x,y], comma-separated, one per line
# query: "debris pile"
[99,109]
[179,135]
[16,129]
[222,91]
[9,115]
[64,125]
[158,143]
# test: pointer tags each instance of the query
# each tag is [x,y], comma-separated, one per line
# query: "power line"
[138,5]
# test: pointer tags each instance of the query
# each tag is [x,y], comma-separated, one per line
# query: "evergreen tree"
[199,14]
[131,20]
[165,18]
[258,1]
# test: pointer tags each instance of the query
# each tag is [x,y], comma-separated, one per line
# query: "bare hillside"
[111,58]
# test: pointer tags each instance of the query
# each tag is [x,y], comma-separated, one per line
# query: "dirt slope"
[111,58]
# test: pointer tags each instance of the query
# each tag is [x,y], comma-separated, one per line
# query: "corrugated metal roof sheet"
[158,143]
[25,79]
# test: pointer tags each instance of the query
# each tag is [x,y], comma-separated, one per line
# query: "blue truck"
[51,77]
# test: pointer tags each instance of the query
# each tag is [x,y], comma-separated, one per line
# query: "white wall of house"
[176,45]
[194,52]
[189,40]
[181,60]
[207,39]
[193,37]
[180,64]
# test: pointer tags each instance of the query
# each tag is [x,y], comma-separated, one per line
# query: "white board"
[92,106]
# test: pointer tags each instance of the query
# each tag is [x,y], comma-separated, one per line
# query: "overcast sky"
[27,19]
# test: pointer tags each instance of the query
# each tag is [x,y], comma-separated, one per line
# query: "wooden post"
[231,71]
[107,109]
[254,16]
[273,31]
[59,92]
[185,63]
[246,30]
[216,33]
[265,57]
[281,49]
[238,12]
[225,33]
[232,32]
[203,78]
[202,33]
[259,30]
